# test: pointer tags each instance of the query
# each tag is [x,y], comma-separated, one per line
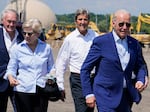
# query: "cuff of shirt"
[61,86]
[5,76]
[89,95]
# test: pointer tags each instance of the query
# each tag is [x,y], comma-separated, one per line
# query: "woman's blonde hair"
[35,24]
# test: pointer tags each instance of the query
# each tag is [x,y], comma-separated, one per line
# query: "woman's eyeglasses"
[27,33]
[122,24]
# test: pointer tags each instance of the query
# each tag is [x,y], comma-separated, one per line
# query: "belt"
[91,75]
[73,73]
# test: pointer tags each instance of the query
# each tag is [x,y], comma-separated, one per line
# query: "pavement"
[68,105]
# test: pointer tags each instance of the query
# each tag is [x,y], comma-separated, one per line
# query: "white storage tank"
[33,9]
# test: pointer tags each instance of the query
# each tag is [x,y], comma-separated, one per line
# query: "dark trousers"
[126,102]
[79,100]
[31,102]
[4,99]
[3,102]
[124,106]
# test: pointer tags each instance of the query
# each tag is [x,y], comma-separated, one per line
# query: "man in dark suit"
[116,56]
[9,37]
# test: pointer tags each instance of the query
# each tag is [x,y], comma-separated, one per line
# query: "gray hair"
[121,11]
[6,11]
[35,24]
[82,11]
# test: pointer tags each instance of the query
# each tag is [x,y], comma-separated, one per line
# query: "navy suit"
[5,88]
[109,75]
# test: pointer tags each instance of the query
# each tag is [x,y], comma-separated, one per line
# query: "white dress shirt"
[73,52]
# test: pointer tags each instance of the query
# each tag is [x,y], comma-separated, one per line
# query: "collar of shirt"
[40,44]
[79,34]
[23,43]
[118,41]
[116,37]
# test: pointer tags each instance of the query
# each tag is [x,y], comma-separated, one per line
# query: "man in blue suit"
[9,37]
[116,56]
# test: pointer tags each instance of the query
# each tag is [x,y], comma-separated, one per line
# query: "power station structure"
[33,9]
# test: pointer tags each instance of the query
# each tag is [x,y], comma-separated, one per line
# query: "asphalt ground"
[68,105]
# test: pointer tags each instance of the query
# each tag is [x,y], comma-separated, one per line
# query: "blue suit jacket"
[4,59]
[108,81]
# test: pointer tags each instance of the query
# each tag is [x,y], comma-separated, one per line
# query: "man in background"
[9,37]
[73,52]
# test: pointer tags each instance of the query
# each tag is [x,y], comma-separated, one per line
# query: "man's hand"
[12,80]
[63,95]
[140,86]
[90,101]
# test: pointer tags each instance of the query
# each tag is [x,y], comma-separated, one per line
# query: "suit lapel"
[131,51]
[3,48]
[2,43]
[114,50]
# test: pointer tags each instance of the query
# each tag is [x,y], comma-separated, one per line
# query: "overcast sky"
[96,6]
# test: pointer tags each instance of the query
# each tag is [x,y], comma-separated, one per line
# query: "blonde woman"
[32,60]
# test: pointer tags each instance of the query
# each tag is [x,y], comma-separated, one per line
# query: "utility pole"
[20,7]
[96,19]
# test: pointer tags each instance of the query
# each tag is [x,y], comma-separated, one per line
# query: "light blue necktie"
[122,49]
[123,53]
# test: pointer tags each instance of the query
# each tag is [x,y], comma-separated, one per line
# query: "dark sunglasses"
[27,33]
[122,24]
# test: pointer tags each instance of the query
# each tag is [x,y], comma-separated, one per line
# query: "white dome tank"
[33,9]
